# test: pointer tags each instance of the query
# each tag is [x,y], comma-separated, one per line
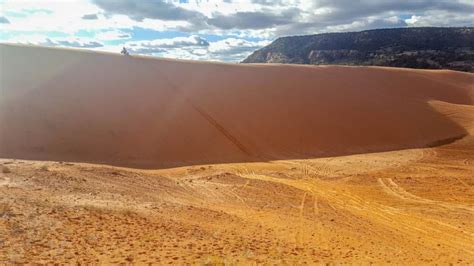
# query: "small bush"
[6,170]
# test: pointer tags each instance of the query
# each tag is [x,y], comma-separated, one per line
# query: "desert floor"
[408,206]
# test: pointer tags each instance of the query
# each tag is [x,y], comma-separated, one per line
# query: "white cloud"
[413,20]
[251,18]
[72,41]
[161,45]
[238,21]
[441,19]
[233,49]
[41,15]
[112,35]
[193,47]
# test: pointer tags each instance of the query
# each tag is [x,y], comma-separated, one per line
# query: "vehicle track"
[392,188]
[408,223]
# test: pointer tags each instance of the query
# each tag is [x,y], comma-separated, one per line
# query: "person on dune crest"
[124,51]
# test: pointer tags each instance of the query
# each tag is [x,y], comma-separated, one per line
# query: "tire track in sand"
[210,119]
[404,222]
[221,129]
[299,233]
[5,182]
[392,188]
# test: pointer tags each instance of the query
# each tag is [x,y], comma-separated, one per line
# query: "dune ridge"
[70,105]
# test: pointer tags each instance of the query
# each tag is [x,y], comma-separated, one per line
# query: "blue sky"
[209,30]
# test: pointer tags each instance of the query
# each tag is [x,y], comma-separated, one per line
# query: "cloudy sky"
[226,30]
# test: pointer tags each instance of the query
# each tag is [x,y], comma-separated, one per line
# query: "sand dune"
[406,206]
[69,105]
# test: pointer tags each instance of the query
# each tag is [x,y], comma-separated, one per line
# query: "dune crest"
[69,105]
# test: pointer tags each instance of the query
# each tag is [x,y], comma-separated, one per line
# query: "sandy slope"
[59,104]
[406,206]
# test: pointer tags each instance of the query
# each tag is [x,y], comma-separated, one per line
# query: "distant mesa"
[425,48]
